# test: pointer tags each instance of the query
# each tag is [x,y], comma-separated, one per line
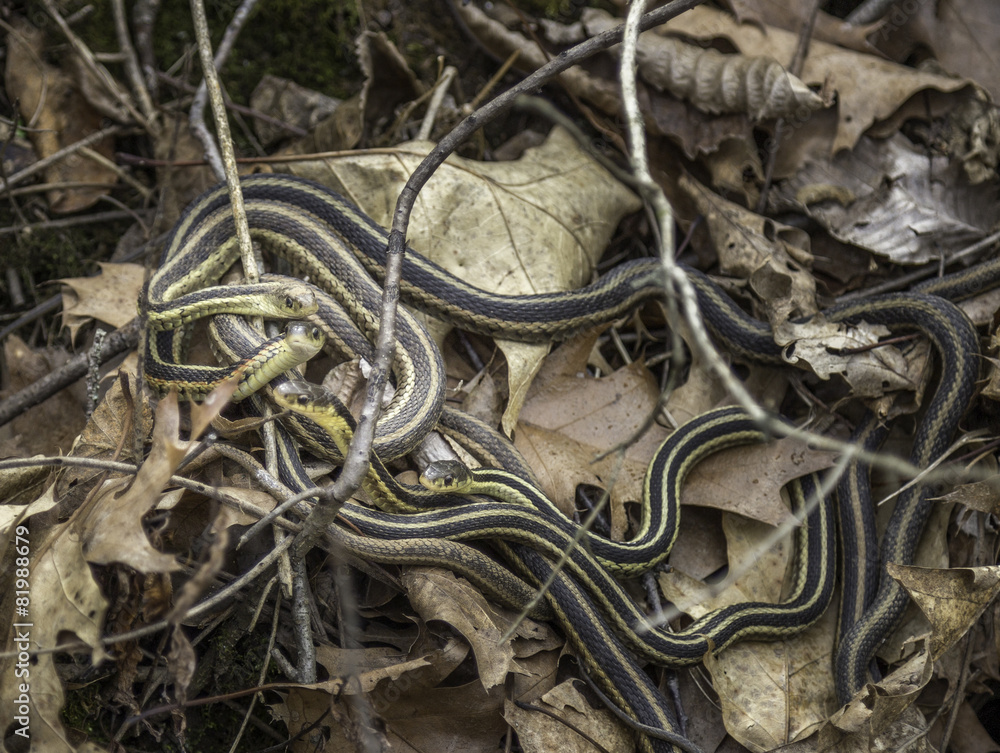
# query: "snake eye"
[288,302]
[303,400]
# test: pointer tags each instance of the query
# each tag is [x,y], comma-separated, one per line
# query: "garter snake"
[599,617]
[321,233]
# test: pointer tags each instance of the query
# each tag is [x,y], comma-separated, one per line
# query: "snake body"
[328,241]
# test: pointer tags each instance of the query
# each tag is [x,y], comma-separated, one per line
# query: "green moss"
[309,41]
[44,254]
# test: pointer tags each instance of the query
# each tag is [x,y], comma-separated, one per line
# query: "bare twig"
[211,86]
[132,63]
[794,68]
[84,219]
[440,89]
[45,163]
[869,11]
[676,279]
[184,86]
[144,13]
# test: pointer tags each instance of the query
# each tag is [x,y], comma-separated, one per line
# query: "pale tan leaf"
[776,692]
[438,595]
[18,487]
[951,599]
[110,524]
[11,511]
[871,369]
[772,693]
[109,297]
[63,601]
[748,480]
[591,416]
[539,733]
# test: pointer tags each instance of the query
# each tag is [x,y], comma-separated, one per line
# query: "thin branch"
[210,85]
[132,62]
[43,164]
[676,279]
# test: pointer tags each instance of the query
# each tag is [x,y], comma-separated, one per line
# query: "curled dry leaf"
[771,256]
[904,204]
[438,595]
[983,496]
[952,599]
[869,89]
[716,83]
[869,368]
[110,523]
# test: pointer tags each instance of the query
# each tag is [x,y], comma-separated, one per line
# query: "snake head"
[451,476]
[296,301]
[305,340]
[297,393]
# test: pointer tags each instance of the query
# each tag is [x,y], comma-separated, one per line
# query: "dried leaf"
[772,693]
[777,692]
[568,420]
[954,32]
[438,595]
[983,496]
[713,82]
[110,524]
[869,89]
[906,205]
[59,116]
[540,733]
[951,599]
[108,297]
[772,257]
[288,102]
[63,601]
[748,480]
